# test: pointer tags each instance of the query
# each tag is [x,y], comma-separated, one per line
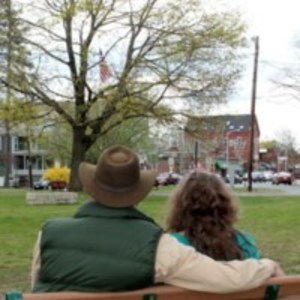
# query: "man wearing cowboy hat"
[109,245]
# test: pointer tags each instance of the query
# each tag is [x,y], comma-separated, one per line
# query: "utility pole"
[253,100]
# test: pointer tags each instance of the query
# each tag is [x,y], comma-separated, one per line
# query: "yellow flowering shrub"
[57,174]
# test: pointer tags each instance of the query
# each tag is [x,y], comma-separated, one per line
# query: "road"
[259,188]
[293,189]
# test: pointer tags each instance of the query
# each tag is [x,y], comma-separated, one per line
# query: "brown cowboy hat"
[116,180]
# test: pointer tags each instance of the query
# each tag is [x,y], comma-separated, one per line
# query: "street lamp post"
[227,144]
[227,147]
[172,158]
[229,168]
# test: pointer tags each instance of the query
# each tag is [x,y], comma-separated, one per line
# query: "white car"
[41,185]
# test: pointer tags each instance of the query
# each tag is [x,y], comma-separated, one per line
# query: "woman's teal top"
[244,240]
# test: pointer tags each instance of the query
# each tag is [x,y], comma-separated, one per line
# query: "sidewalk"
[274,191]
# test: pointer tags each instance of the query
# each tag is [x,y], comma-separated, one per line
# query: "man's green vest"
[100,249]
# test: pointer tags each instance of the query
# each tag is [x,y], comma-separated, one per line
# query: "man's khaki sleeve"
[36,261]
[182,266]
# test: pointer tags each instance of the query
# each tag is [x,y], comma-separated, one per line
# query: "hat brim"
[116,199]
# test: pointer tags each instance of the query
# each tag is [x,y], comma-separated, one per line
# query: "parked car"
[41,185]
[256,177]
[237,179]
[49,185]
[167,178]
[58,185]
[282,177]
[13,182]
[268,175]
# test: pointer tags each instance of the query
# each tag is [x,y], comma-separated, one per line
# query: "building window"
[38,163]
[14,143]
[2,167]
[239,144]
[19,143]
[19,163]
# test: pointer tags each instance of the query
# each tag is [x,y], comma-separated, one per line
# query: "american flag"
[105,72]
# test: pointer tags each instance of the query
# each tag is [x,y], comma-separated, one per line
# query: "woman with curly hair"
[202,214]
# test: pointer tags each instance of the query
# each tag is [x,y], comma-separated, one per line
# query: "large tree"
[59,143]
[160,55]
[14,64]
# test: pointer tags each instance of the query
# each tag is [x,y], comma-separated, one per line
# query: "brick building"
[223,140]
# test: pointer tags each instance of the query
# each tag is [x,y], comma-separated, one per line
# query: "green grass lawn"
[274,221]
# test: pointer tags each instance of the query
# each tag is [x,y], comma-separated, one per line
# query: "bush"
[57,174]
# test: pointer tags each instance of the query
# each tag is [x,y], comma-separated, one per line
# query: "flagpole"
[104,69]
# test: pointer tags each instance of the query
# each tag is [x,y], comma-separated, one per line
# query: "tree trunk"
[30,182]
[79,148]
[8,155]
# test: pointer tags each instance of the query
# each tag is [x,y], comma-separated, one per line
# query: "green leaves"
[158,52]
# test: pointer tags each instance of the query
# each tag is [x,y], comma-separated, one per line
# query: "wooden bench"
[287,287]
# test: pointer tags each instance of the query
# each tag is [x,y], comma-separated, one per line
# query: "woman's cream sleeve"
[182,266]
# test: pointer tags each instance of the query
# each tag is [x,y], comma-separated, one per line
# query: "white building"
[19,160]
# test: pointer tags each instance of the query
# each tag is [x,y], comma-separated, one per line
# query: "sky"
[277,24]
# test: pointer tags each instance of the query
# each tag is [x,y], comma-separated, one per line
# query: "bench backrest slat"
[289,285]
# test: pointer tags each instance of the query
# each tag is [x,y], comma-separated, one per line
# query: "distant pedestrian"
[156,184]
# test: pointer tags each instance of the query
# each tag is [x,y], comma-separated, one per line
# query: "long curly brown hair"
[204,210]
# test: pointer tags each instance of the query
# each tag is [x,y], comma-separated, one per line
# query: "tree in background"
[134,133]
[287,80]
[58,141]
[27,120]
[284,150]
[286,145]
[14,64]
[157,58]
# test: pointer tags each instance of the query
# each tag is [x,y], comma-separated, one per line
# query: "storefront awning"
[221,165]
